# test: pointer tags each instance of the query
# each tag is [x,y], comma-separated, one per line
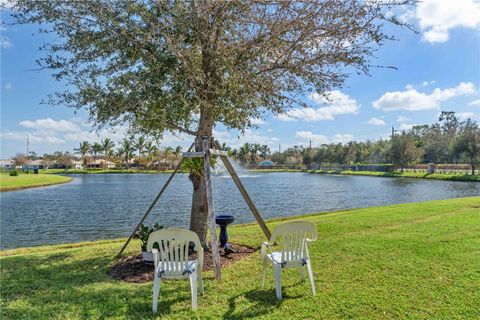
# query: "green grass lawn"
[409,261]
[24,181]
[398,174]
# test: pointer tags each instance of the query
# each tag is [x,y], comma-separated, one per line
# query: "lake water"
[108,206]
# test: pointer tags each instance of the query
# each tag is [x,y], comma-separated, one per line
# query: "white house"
[101,163]
[7,164]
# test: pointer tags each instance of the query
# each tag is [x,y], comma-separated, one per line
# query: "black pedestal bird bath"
[223,220]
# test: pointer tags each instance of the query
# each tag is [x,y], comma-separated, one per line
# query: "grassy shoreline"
[409,261]
[103,171]
[275,170]
[396,174]
[27,181]
[418,175]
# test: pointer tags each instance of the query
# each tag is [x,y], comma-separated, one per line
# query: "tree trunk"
[473,168]
[199,212]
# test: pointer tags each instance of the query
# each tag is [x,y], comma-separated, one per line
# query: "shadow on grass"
[59,286]
[264,300]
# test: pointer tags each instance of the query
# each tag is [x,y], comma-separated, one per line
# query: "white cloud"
[249,136]
[257,121]
[5,42]
[437,17]
[8,86]
[403,119]
[465,115]
[475,103]
[38,137]
[406,126]
[46,134]
[412,100]
[115,134]
[221,135]
[337,103]
[427,83]
[50,124]
[376,122]
[318,139]
[343,138]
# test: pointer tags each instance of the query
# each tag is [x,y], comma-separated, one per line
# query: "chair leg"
[200,282]
[264,271]
[278,280]
[302,273]
[310,275]
[156,292]
[193,287]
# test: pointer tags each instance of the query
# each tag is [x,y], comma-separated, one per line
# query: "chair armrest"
[265,247]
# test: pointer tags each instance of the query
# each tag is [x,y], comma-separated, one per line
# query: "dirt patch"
[133,269]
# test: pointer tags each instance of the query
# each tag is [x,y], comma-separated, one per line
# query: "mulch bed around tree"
[133,269]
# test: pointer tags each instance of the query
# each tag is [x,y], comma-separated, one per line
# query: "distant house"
[77,164]
[7,164]
[100,163]
[33,164]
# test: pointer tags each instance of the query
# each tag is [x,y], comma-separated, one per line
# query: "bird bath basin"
[223,221]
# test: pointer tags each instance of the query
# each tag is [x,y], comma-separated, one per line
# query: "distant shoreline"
[396,174]
[28,181]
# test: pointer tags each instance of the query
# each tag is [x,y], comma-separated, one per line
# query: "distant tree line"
[138,152]
[447,141]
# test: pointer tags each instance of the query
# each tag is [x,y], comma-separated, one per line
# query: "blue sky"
[438,69]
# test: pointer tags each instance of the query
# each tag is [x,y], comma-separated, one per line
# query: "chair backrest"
[292,238]
[173,247]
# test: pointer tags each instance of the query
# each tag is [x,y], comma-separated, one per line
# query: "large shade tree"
[169,66]
[467,143]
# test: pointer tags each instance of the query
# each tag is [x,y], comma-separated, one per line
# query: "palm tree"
[233,153]
[95,149]
[255,148]
[139,145]
[168,152]
[107,148]
[177,152]
[225,147]
[127,150]
[244,153]
[150,149]
[264,151]
[83,150]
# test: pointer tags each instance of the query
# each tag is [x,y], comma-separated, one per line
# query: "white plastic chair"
[171,260]
[293,252]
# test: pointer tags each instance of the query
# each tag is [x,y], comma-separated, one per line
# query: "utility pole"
[28,143]
[310,144]
[279,148]
[393,133]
